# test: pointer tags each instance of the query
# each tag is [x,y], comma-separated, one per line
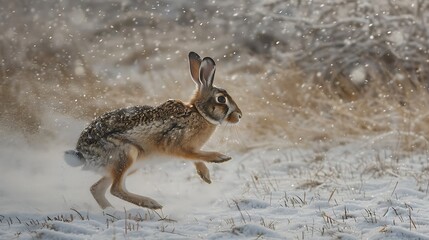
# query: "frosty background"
[333,141]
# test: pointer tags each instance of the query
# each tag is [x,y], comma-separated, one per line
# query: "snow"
[357,75]
[270,193]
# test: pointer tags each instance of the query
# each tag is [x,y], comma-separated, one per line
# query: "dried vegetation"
[320,73]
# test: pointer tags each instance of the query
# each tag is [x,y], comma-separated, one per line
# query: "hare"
[114,143]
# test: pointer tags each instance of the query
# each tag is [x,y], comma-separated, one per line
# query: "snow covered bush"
[349,43]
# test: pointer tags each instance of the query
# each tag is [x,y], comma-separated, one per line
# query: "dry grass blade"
[332,194]
[78,213]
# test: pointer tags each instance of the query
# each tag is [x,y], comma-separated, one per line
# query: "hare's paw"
[152,204]
[148,203]
[219,158]
[205,177]
[155,206]
[203,172]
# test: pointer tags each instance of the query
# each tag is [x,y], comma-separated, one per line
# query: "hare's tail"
[74,158]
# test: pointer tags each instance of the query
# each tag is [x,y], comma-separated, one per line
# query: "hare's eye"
[221,99]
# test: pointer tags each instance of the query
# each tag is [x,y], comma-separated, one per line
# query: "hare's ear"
[194,64]
[207,71]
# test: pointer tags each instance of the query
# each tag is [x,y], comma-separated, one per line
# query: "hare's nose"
[238,113]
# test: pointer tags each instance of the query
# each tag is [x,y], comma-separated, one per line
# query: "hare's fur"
[115,141]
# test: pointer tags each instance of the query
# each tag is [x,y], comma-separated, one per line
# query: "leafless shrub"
[350,44]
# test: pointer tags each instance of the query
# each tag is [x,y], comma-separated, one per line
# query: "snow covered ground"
[350,192]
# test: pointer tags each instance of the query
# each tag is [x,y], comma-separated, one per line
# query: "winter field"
[333,143]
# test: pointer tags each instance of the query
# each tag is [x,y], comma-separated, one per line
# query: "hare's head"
[213,103]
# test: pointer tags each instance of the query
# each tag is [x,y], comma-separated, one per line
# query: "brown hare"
[113,143]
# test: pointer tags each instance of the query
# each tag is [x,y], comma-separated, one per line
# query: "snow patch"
[252,230]
[358,75]
[252,204]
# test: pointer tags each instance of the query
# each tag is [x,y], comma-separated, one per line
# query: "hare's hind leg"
[120,172]
[98,190]
[203,171]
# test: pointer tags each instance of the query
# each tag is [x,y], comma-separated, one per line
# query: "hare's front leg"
[213,157]
[98,190]
[120,172]
[203,171]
